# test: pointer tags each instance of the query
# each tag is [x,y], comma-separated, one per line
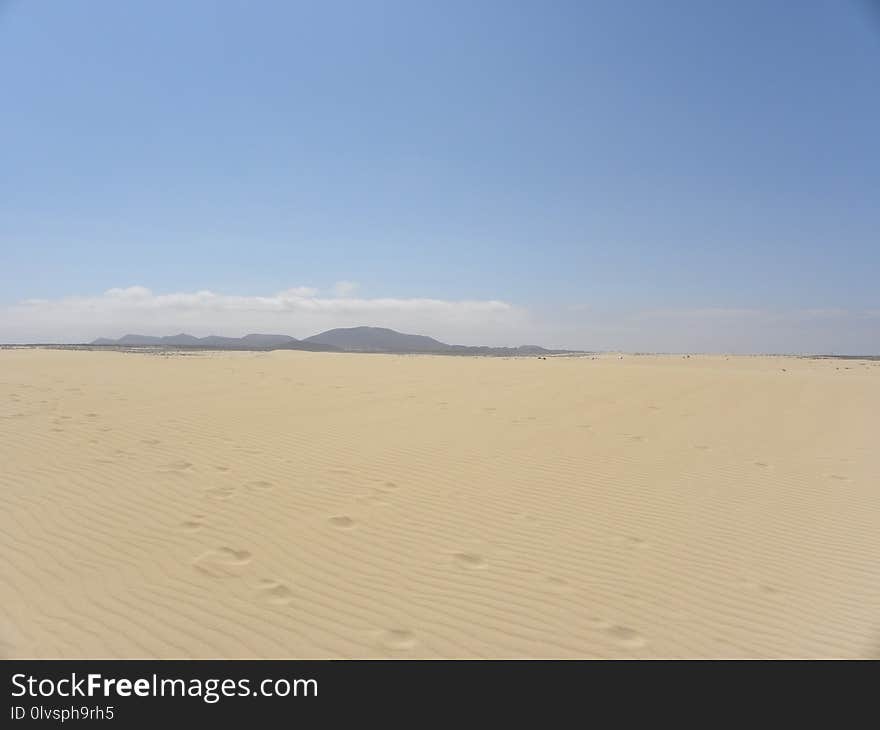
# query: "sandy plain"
[294,504]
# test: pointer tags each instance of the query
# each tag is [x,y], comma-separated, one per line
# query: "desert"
[233,504]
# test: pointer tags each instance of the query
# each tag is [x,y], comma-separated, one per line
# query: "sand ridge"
[296,504]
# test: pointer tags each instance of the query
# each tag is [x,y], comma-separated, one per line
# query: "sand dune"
[295,504]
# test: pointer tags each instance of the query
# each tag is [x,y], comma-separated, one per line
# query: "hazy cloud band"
[303,311]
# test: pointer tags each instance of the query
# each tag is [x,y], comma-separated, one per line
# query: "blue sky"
[635,175]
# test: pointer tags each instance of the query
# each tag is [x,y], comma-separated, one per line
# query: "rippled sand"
[293,504]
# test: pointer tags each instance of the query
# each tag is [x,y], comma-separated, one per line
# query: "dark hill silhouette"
[184,340]
[377,339]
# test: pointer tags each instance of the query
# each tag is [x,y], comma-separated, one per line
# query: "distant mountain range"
[346,339]
[248,342]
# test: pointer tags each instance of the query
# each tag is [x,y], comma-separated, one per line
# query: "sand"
[294,504]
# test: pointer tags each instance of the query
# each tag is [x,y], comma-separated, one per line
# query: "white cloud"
[345,288]
[298,311]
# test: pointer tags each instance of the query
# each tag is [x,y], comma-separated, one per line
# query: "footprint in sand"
[223,493]
[625,636]
[622,635]
[343,522]
[840,477]
[762,464]
[176,467]
[259,485]
[397,640]
[557,585]
[764,588]
[274,591]
[223,562]
[151,442]
[632,541]
[470,561]
[193,524]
